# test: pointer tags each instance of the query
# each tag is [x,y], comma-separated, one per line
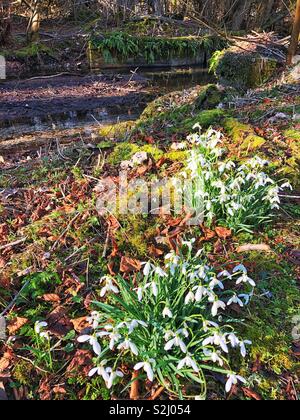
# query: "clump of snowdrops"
[240,196]
[173,327]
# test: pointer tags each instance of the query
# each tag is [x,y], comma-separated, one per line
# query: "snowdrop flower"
[234,341]
[244,278]
[113,335]
[246,297]
[128,345]
[176,340]
[92,339]
[225,273]
[160,272]
[286,185]
[147,368]
[226,166]
[201,291]
[167,313]
[240,269]
[94,319]
[139,291]
[215,282]
[189,362]
[214,356]
[39,326]
[147,268]
[112,376]
[235,299]
[207,324]
[100,370]
[217,340]
[189,244]
[190,297]
[108,286]
[218,304]
[131,325]
[233,380]
[243,347]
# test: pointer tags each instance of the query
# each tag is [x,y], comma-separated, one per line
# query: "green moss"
[153,151]
[210,97]
[243,135]
[242,69]
[123,151]
[205,118]
[293,134]
[119,131]
[177,155]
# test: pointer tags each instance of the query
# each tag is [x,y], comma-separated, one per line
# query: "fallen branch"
[12,244]
[254,247]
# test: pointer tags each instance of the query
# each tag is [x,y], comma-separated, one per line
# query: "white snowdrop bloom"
[215,282]
[200,292]
[176,340]
[190,297]
[246,297]
[160,272]
[113,336]
[147,268]
[167,313]
[112,376]
[235,299]
[45,335]
[233,380]
[94,319]
[207,324]
[225,273]
[39,326]
[189,362]
[92,339]
[218,304]
[202,272]
[189,244]
[147,368]
[131,325]
[243,347]
[217,340]
[244,278]
[197,126]
[154,288]
[214,356]
[128,345]
[286,185]
[234,341]
[108,286]
[240,269]
[226,166]
[139,291]
[100,370]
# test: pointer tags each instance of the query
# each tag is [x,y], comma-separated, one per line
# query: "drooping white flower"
[147,368]
[215,282]
[108,286]
[286,185]
[128,345]
[214,356]
[100,370]
[240,269]
[92,340]
[176,340]
[233,380]
[234,341]
[207,324]
[218,304]
[235,299]
[167,313]
[243,347]
[112,333]
[217,340]
[94,319]
[189,362]
[225,273]
[189,244]
[190,297]
[112,376]
[244,278]
[147,268]
[39,326]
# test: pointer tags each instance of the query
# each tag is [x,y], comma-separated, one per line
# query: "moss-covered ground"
[55,246]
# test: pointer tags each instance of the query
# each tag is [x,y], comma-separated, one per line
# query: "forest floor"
[54,247]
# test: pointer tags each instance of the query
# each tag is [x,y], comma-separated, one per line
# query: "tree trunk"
[5,24]
[241,14]
[33,27]
[295,35]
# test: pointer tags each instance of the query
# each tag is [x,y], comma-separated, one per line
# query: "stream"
[37,111]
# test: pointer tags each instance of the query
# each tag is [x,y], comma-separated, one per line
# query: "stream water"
[75,124]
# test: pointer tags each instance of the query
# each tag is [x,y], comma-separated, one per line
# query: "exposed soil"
[28,99]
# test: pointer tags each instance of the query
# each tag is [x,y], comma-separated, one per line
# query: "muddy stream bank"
[70,108]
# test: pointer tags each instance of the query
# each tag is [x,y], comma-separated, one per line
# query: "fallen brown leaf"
[223,233]
[58,322]
[251,394]
[15,324]
[80,324]
[129,265]
[51,297]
